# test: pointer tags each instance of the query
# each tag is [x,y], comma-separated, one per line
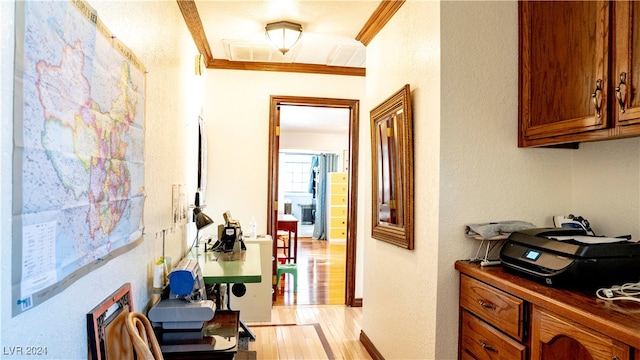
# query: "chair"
[142,336]
[282,241]
[288,269]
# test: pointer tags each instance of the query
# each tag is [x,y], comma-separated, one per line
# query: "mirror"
[392,170]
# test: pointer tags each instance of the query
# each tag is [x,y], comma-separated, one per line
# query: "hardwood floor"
[313,323]
[324,332]
[321,275]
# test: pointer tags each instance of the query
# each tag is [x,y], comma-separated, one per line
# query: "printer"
[571,258]
[186,306]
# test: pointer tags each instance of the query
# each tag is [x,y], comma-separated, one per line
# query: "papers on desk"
[590,239]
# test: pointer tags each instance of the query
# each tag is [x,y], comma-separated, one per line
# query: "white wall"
[484,176]
[173,102]
[460,59]
[237,116]
[399,303]
[606,186]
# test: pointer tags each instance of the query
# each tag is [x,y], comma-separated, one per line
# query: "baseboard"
[357,302]
[368,345]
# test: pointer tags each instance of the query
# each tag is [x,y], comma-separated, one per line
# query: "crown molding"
[286,67]
[194,24]
[378,20]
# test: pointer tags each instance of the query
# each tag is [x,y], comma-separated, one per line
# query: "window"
[295,172]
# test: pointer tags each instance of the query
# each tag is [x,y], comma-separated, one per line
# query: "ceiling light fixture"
[284,34]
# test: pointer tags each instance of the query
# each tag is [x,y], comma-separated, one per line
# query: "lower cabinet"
[503,316]
[554,337]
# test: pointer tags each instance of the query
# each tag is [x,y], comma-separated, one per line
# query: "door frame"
[272,197]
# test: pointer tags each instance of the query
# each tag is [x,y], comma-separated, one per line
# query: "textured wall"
[173,102]
[400,285]
[484,176]
[606,186]
[460,59]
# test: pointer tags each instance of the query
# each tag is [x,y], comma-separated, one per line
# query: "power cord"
[628,291]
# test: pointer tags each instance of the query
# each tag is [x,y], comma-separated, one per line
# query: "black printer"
[569,258]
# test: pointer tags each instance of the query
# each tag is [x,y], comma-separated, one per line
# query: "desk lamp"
[202,220]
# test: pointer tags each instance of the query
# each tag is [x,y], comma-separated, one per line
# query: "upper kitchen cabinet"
[626,68]
[576,62]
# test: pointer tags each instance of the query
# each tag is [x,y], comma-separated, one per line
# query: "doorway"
[277,102]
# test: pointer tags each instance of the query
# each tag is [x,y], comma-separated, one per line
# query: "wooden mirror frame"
[392,161]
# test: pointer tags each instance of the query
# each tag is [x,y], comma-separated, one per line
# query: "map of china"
[98,138]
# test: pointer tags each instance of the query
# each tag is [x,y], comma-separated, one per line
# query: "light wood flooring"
[326,328]
[321,275]
[339,325]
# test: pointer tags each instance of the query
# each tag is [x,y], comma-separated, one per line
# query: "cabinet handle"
[621,91]
[486,304]
[596,97]
[487,347]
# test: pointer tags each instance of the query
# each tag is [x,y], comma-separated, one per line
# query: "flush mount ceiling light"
[284,34]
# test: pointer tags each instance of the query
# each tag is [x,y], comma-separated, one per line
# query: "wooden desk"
[289,223]
[218,339]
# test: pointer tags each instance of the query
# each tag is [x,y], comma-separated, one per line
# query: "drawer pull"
[486,304]
[487,347]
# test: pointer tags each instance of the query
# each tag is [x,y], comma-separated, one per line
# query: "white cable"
[628,291]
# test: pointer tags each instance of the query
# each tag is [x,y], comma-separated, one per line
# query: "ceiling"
[230,34]
[235,30]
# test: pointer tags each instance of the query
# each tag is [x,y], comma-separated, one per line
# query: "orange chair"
[142,337]
[282,241]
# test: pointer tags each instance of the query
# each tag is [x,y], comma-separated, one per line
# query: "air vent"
[256,52]
[343,55]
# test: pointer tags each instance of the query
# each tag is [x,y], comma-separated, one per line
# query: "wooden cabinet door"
[626,68]
[563,68]
[553,337]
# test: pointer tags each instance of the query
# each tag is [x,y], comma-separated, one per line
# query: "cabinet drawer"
[480,340]
[338,233]
[338,199]
[338,189]
[338,211]
[502,310]
[339,177]
[339,222]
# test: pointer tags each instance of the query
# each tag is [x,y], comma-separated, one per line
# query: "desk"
[230,268]
[225,268]
[289,223]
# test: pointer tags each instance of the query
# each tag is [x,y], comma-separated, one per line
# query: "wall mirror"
[392,170]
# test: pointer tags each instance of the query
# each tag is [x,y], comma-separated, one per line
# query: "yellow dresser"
[337,194]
